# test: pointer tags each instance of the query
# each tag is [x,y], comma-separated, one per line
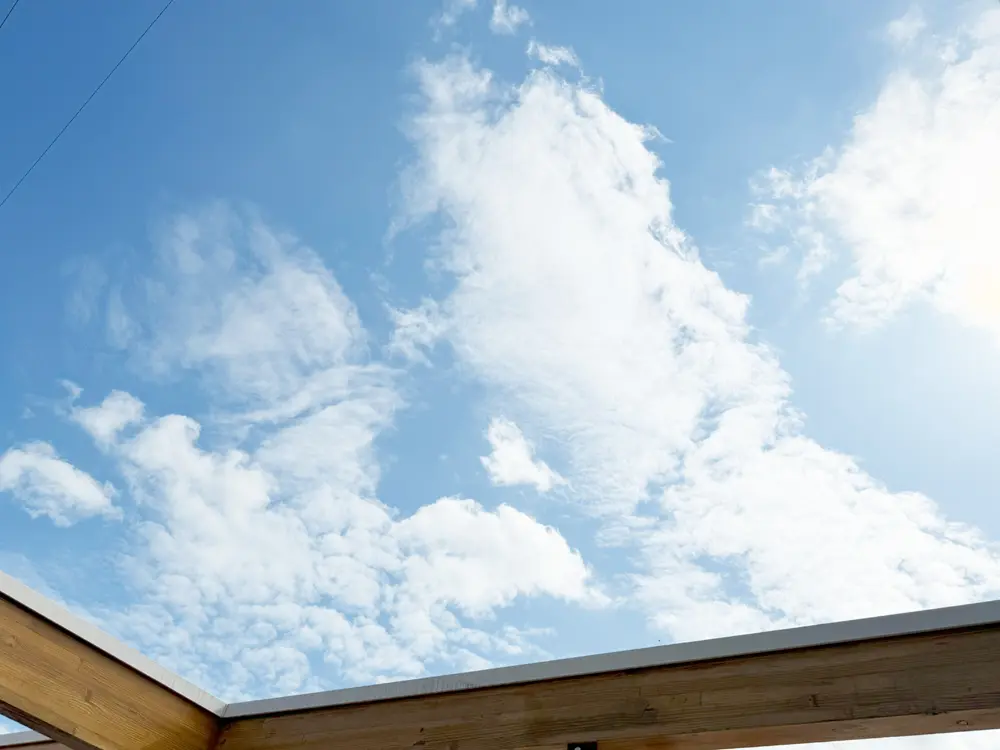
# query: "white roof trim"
[962,617]
[911,623]
[17,592]
[17,739]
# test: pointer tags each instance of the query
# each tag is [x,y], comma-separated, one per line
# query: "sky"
[368,341]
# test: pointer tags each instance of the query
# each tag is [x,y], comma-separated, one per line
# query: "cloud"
[46,485]
[264,550]
[456,547]
[115,413]
[552,55]
[909,196]
[250,310]
[905,29]
[415,331]
[282,555]
[505,18]
[88,284]
[452,11]
[73,390]
[20,567]
[512,460]
[121,329]
[587,312]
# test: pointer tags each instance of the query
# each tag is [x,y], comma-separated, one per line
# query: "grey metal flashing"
[17,592]
[964,617]
[911,623]
[20,739]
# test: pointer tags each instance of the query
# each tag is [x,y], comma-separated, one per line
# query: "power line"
[9,11]
[83,106]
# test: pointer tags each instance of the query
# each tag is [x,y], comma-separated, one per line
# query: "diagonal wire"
[9,11]
[83,106]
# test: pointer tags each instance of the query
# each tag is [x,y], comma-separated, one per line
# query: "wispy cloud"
[910,196]
[507,18]
[267,562]
[512,459]
[587,311]
[251,312]
[265,551]
[552,55]
[415,331]
[904,30]
[46,485]
[451,12]
[89,283]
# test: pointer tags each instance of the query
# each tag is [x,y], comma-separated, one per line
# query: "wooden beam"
[63,678]
[909,684]
[918,673]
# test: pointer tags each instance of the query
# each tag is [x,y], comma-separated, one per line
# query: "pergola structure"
[917,673]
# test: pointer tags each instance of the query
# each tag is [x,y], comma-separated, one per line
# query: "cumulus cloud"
[506,18]
[114,414]
[46,485]
[457,546]
[247,540]
[512,459]
[266,550]
[580,305]
[909,197]
[584,309]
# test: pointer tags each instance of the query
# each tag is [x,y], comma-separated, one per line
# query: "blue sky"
[375,340]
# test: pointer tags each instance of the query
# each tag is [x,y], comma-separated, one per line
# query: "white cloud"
[910,196]
[89,282]
[905,29]
[479,560]
[121,329]
[506,18]
[415,331]
[114,414]
[552,55]
[268,551]
[452,11]
[73,391]
[251,309]
[512,459]
[579,303]
[289,540]
[589,314]
[46,485]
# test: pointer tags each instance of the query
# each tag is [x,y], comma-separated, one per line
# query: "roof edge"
[20,739]
[29,599]
[960,617]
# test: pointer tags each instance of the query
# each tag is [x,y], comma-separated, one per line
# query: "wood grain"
[76,694]
[908,685]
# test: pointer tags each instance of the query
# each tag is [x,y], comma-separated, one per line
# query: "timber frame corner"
[924,672]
